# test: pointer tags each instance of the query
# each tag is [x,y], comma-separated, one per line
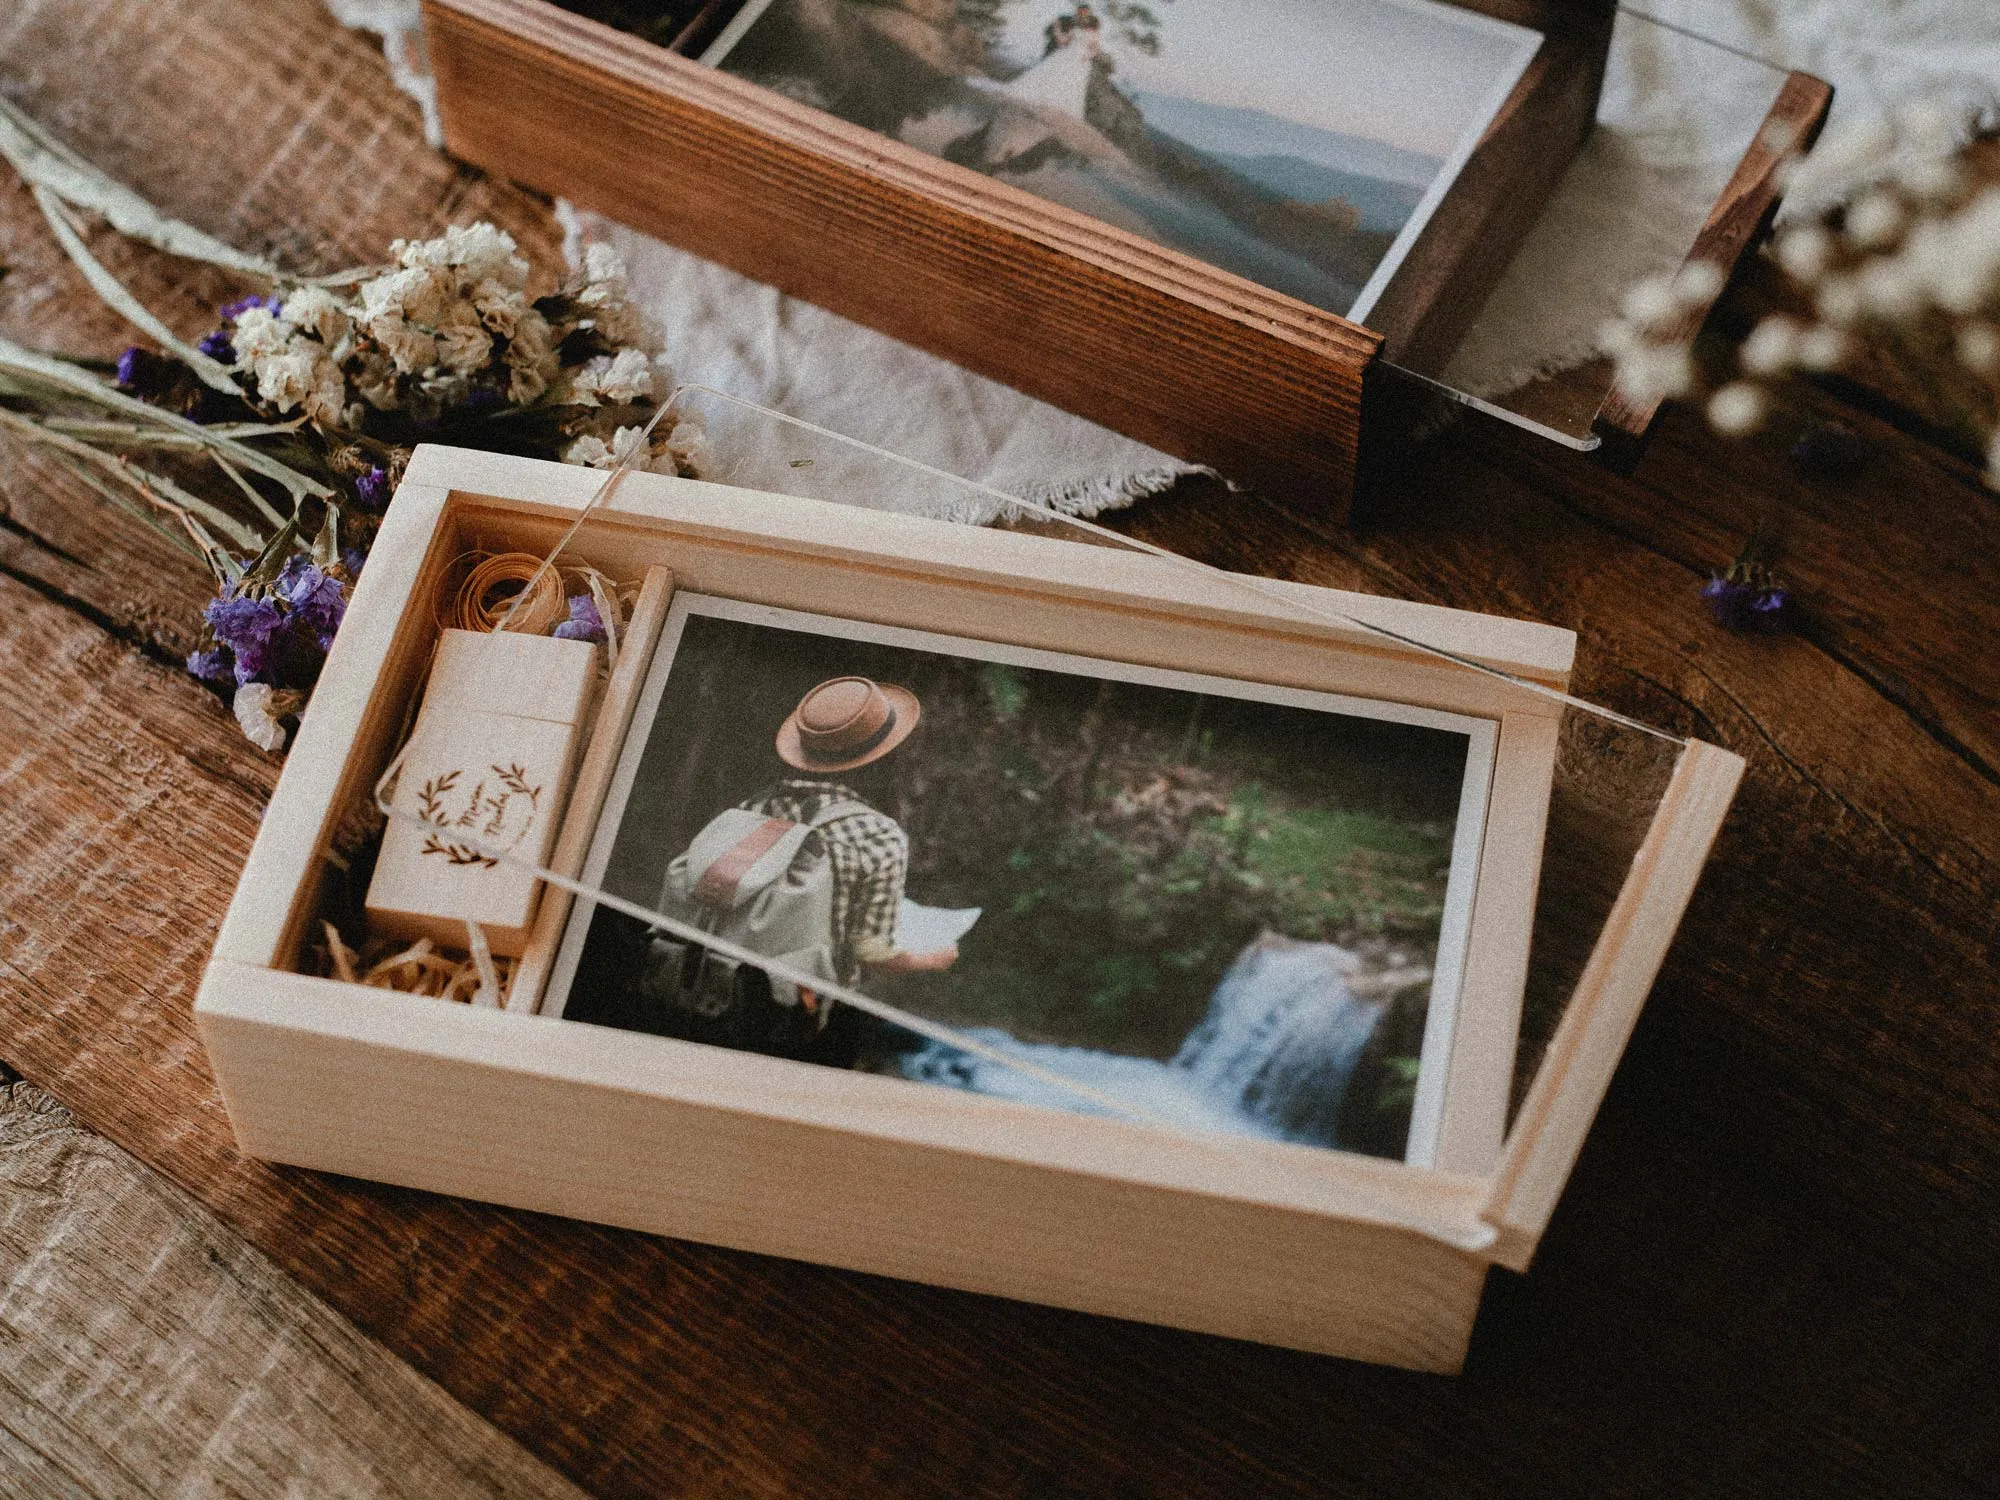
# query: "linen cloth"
[1669,136]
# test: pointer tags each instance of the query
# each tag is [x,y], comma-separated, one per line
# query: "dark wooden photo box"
[1330,1251]
[1156,344]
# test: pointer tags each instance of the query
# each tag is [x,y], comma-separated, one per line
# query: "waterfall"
[1281,1037]
[1272,1057]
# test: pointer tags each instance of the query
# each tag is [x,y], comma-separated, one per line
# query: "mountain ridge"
[1234,130]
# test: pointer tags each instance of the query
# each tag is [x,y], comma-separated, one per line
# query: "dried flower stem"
[131,434]
[156,488]
[45,370]
[45,162]
[121,301]
[180,536]
[263,506]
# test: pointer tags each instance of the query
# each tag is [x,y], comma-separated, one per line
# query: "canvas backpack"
[762,883]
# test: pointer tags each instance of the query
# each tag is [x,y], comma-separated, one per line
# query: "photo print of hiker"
[1238,908]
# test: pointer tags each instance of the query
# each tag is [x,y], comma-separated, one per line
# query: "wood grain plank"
[148,1352]
[1771,1271]
[1887,611]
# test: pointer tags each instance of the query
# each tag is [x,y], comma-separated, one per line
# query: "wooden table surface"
[1776,1271]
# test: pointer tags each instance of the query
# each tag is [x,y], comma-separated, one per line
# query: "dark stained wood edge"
[1739,219]
[1444,281]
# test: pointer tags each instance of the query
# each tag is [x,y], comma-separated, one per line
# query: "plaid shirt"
[871,858]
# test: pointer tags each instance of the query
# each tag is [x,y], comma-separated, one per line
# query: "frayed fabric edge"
[1082,498]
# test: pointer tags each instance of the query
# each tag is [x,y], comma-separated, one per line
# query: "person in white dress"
[1061,80]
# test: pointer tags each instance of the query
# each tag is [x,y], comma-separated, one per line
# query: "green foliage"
[1137,24]
[984,18]
[1126,850]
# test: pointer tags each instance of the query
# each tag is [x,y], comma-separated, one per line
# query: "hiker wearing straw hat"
[838,727]
[806,872]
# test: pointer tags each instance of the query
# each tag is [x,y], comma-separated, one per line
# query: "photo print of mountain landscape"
[1235,908]
[1301,144]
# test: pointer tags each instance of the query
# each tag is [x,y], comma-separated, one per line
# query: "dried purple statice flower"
[220,345]
[1750,607]
[372,490]
[252,629]
[1748,597]
[231,311]
[213,667]
[144,374]
[317,601]
[584,622]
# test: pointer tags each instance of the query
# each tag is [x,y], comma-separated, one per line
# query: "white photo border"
[1443,1013]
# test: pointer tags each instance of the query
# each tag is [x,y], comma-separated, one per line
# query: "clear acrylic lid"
[1205,900]
[1677,115]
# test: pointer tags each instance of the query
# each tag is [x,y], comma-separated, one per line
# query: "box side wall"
[1575,1072]
[1121,628]
[375,669]
[618,132]
[781,1187]
[527,492]
[1439,290]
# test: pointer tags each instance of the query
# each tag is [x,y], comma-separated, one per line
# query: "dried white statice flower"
[1698,283]
[606,301]
[476,252]
[1910,266]
[447,332]
[1957,258]
[1890,290]
[1737,409]
[1840,301]
[1932,182]
[615,380]
[1651,373]
[1876,220]
[688,446]
[316,311]
[1821,348]
[625,443]
[1651,302]
[1804,252]
[260,711]
[531,359]
[1773,347]
[1978,346]
[289,365]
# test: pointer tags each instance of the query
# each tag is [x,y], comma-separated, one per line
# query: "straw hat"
[847,722]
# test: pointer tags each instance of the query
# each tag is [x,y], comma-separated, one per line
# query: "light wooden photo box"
[1204,364]
[1312,1249]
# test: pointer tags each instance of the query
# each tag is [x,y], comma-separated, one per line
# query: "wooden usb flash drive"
[489,759]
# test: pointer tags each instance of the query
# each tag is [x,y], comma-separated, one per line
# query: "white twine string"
[1242,581]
